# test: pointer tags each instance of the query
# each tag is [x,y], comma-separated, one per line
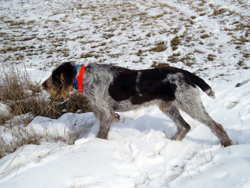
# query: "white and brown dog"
[112,88]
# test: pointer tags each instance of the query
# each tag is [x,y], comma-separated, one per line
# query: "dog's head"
[61,82]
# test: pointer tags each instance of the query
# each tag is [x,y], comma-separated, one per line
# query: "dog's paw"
[175,138]
[179,136]
[227,143]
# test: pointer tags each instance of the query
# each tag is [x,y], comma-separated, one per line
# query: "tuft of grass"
[177,54]
[173,59]
[188,60]
[241,63]
[108,35]
[89,54]
[159,65]
[139,53]
[241,40]
[246,55]
[175,42]
[159,48]
[219,11]
[204,36]
[15,86]
[211,57]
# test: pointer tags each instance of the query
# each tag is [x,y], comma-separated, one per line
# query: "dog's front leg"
[106,119]
[105,123]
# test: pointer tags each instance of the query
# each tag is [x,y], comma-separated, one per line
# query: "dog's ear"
[67,84]
[63,78]
[56,78]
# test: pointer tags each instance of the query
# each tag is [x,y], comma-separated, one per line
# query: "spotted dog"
[112,89]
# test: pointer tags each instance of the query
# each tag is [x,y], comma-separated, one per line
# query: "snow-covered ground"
[209,37]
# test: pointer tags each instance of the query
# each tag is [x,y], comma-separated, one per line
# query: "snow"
[139,151]
[4,110]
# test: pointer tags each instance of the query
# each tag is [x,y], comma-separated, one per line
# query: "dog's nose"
[44,85]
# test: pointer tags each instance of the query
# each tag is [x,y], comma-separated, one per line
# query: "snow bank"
[67,128]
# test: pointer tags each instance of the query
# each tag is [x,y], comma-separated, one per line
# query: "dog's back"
[151,81]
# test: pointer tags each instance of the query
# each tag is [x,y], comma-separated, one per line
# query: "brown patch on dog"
[52,89]
[67,85]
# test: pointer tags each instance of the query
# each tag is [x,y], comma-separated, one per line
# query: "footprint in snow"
[231,103]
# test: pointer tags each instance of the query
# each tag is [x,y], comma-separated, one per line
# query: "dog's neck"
[78,77]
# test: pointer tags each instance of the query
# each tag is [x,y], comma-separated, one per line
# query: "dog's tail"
[202,84]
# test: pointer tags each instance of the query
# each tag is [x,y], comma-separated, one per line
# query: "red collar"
[78,79]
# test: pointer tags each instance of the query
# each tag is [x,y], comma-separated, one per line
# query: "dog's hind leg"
[173,113]
[192,105]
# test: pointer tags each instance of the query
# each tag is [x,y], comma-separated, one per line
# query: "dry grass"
[204,36]
[24,96]
[175,42]
[158,48]
[159,65]
[211,57]
[20,137]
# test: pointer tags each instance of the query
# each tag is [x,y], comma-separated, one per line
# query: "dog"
[112,89]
